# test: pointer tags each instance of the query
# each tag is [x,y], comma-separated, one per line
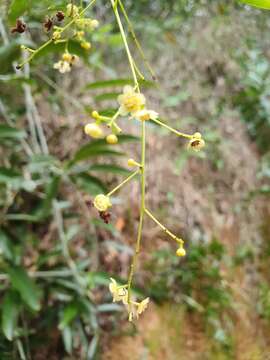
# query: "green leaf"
[45,208]
[90,184]
[25,286]
[89,150]
[8,132]
[107,96]
[109,83]
[107,168]
[69,314]
[10,311]
[6,248]
[67,339]
[262,4]
[17,8]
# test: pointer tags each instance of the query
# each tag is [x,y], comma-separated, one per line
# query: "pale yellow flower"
[196,143]
[72,10]
[119,293]
[143,305]
[62,66]
[130,101]
[56,35]
[102,202]
[87,24]
[145,115]
[136,308]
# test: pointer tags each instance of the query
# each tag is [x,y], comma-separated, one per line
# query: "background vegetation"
[213,74]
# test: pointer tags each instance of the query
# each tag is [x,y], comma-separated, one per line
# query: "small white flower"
[145,115]
[62,66]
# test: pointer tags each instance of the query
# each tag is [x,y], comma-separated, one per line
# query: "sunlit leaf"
[262,4]
[69,314]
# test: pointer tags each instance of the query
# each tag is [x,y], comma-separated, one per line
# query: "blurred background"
[211,60]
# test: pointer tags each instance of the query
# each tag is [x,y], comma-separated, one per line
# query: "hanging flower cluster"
[120,293]
[131,104]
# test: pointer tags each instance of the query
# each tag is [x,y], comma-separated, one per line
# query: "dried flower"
[19,28]
[102,202]
[48,24]
[93,130]
[105,216]
[145,115]
[130,101]
[60,15]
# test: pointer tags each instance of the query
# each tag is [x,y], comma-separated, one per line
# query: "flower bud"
[86,45]
[93,130]
[181,252]
[95,114]
[112,139]
[132,163]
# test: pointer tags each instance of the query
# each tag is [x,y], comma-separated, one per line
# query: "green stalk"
[130,59]
[178,133]
[123,182]
[143,141]
[142,210]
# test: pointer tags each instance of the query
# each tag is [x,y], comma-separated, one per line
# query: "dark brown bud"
[89,203]
[60,15]
[19,28]
[48,24]
[105,216]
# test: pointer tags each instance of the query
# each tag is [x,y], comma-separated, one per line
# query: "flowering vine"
[132,103]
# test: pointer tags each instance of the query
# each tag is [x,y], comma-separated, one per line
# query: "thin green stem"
[142,210]
[123,182]
[130,59]
[30,58]
[136,41]
[178,133]
[168,232]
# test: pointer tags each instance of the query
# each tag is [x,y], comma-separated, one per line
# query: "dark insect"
[19,28]
[195,143]
[60,15]
[105,216]
[48,24]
